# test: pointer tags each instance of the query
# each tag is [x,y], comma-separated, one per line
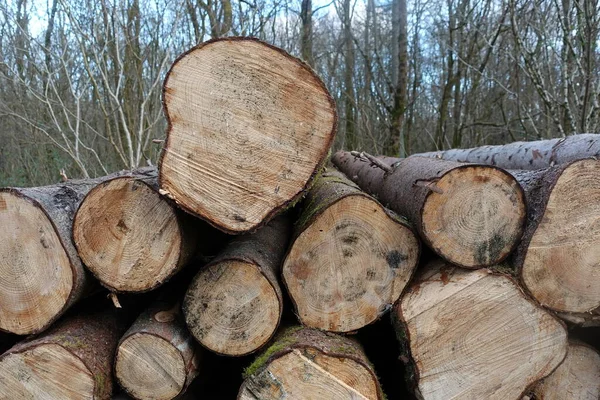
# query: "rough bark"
[474,334]
[249,128]
[558,255]
[72,360]
[471,215]
[234,304]
[131,238]
[350,259]
[157,357]
[577,378]
[526,155]
[306,363]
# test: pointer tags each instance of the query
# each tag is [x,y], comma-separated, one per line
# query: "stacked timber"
[470,214]
[482,269]
[558,257]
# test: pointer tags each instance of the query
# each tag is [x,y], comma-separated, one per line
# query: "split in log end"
[45,371]
[248,146]
[150,367]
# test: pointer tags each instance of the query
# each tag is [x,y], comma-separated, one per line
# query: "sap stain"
[394,258]
[490,250]
[350,239]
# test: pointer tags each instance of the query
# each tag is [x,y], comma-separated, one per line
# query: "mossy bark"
[300,338]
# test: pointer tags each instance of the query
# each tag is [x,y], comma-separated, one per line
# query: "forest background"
[80,80]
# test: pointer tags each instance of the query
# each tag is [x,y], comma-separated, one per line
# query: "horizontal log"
[577,378]
[538,154]
[248,147]
[558,256]
[234,304]
[471,215]
[351,257]
[131,238]
[474,334]
[72,360]
[157,357]
[307,363]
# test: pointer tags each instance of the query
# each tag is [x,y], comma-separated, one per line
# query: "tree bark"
[157,357]
[72,360]
[490,340]
[470,215]
[526,155]
[577,378]
[131,238]
[252,142]
[310,364]
[306,44]
[350,259]
[558,254]
[234,304]
[398,143]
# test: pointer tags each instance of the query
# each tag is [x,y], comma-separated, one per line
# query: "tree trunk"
[577,378]
[474,334]
[131,238]
[398,143]
[351,258]
[306,363]
[73,360]
[557,259]
[527,155]
[306,44]
[233,305]
[42,275]
[249,128]
[470,215]
[157,357]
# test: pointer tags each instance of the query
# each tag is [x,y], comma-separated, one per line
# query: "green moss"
[505,268]
[285,340]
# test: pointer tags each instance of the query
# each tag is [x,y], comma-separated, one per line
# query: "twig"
[115,300]
[429,185]
[375,162]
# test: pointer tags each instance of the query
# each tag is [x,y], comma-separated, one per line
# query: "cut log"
[306,363]
[538,154]
[471,215]
[157,358]
[559,256]
[351,257]
[42,275]
[234,304]
[475,335]
[72,360]
[577,378]
[249,128]
[129,237]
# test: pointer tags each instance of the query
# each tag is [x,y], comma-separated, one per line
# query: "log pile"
[474,273]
